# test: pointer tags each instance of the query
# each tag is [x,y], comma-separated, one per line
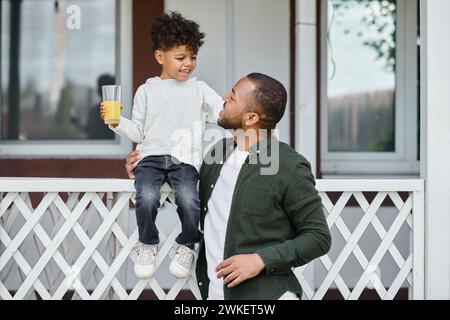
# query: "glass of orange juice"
[112,101]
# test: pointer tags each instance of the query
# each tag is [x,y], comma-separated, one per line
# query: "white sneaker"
[145,262]
[181,264]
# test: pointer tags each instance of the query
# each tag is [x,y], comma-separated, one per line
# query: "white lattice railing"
[60,236]
[408,214]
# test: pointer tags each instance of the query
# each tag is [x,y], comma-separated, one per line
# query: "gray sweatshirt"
[169,118]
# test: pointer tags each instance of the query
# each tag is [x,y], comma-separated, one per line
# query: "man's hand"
[131,163]
[239,268]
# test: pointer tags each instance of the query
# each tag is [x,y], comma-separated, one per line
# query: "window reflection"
[361,75]
[50,71]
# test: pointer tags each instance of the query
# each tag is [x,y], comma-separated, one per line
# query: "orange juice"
[112,115]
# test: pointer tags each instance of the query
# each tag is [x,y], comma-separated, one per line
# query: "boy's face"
[177,63]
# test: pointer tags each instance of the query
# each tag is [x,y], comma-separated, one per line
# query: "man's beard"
[229,124]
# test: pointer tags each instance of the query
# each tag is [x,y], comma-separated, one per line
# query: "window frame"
[403,161]
[117,148]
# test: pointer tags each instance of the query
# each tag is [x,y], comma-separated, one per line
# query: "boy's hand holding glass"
[111,105]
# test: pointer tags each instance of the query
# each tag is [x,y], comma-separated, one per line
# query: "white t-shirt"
[216,221]
[169,116]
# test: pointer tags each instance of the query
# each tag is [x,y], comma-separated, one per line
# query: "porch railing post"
[418,288]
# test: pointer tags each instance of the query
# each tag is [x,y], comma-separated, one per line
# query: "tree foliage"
[375,30]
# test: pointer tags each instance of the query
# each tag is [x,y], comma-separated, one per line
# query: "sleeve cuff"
[273,266]
[120,128]
[266,255]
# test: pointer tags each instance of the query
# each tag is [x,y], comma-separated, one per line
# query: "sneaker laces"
[146,254]
[185,256]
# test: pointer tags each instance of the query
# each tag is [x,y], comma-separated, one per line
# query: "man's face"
[235,105]
[178,62]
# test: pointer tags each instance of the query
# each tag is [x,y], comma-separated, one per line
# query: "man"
[257,224]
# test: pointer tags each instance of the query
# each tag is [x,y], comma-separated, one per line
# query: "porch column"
[306,88]
[306,81]
[435,144]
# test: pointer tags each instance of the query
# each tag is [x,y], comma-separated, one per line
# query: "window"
[54,56]
[369,87]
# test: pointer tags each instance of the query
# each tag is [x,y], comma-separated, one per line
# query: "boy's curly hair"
[171,29]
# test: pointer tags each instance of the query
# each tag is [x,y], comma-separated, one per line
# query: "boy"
[164,107]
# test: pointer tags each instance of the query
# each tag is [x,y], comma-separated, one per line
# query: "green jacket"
[278,216]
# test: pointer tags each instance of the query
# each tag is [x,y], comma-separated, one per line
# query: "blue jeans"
[150,174]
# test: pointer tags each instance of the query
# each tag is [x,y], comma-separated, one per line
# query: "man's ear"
[159,56]
[251,118]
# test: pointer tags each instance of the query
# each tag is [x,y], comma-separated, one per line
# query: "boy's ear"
[159,56]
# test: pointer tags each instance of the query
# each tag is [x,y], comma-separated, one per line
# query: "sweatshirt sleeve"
[303,206]
[134,129]
[212,103]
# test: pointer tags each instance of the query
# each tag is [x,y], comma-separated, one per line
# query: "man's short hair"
[172,29]
[268,99]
